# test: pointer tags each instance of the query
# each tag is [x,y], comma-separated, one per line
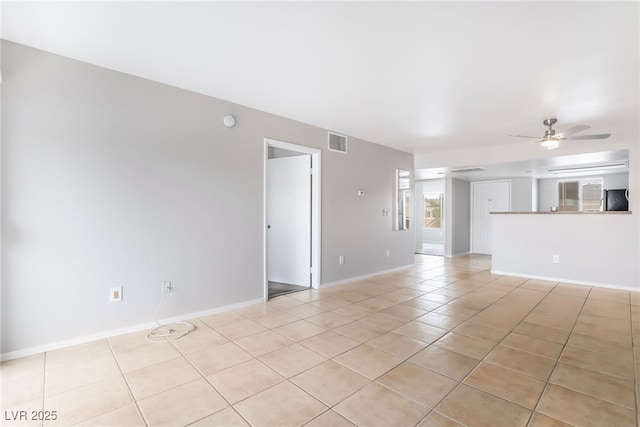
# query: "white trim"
[316,208]
[364,276]
[114,332]
[561,280]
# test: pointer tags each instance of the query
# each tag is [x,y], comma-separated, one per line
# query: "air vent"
[468,170]
[337,142]
[588,168]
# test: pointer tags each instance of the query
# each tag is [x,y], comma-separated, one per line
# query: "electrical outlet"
[388,253]
[556,259]
[341,259]
[166,286]
[115,294]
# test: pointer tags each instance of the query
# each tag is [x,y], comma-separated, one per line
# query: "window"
[584,195]
[433,210]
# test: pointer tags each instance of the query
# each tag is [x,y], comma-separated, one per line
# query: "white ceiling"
[423,77]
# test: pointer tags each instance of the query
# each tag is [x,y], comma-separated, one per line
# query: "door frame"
[472,216]
[316,185]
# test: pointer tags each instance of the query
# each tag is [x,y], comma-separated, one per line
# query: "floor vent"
[337,142]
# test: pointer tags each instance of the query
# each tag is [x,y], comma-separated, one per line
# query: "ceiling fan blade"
[526,136]
[572,130]
[595,136]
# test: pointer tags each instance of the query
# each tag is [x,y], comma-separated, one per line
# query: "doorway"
[486,197]
[291,218]
[430,225]
[433,224]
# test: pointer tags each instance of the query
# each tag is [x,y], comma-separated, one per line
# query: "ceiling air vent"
[467,170]
[337,142]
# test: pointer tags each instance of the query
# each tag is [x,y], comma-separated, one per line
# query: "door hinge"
[311,171]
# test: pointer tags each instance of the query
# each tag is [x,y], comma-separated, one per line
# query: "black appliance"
[616,200]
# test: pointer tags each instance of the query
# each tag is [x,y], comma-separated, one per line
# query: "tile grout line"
[557,359]
[461,382]
[328,359]
[434,409]
[202,375]
[371,381]
[257,358]
[547,383]
[135,401]
[564,346]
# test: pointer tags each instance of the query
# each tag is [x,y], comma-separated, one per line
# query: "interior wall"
[522,194]
[524,245]
[113,180]
[606,255]
[548,188]
[534,194]
[359,230]
[458,214]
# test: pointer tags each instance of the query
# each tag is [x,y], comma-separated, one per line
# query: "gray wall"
[113,180]
[457,216]
[548,188]
[522,194]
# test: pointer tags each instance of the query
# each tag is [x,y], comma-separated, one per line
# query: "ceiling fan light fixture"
[550,144]
[551,139]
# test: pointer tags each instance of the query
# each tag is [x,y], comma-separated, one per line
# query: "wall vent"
[468,170]
[337,142]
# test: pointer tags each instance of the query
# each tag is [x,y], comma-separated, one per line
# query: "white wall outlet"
[388,253]
[341,259]
[166,286]
[556,259]
[360,193]
[115,294]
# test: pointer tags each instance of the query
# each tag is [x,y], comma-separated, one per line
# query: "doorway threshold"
[431,249]
[277,289]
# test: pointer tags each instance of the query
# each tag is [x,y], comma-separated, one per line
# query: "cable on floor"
[170,331]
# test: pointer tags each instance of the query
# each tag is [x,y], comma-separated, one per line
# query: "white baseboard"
[149,325]
[573,282]
[364,276]
[126,330]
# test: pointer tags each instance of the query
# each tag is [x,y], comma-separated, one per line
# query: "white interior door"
[289,220]
[487,197]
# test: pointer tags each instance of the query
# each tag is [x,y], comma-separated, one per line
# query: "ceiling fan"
[551,139]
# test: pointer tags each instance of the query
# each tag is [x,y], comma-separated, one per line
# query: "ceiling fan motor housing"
[549,133]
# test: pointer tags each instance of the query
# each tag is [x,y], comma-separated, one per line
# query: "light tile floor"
[444,343]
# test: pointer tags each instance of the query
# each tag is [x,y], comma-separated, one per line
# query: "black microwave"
[616,200]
